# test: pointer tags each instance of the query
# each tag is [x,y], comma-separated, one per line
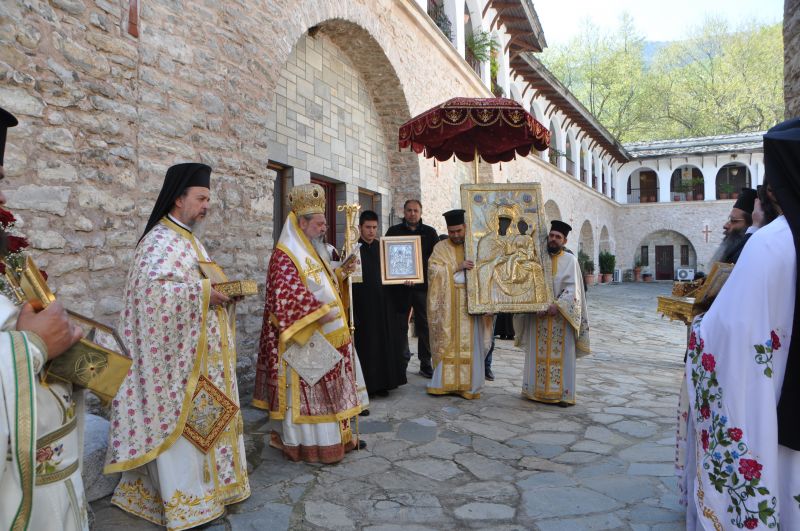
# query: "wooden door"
[330,208]
[665,265]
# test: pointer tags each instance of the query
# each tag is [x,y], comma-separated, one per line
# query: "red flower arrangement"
[15,245]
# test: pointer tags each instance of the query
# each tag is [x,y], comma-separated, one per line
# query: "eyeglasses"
[734,220]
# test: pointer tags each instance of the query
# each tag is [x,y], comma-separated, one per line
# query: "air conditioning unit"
[684,273]
[618,275]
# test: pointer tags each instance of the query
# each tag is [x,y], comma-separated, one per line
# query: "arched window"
[553,144]
[687,184]
[568,152]
[731,178]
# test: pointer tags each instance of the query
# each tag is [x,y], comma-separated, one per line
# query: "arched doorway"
[552,211]
[586,241]
[643,186]
[312,137]
[731,178]
[572,162]
[605,240]
[553,152]
[686,184]
[664,252]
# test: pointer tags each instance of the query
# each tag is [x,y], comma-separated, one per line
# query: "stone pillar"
[455,12]
[791,54]
[664,176]
[709,182]
[503,75]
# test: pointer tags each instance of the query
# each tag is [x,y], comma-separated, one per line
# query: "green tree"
[607,73]
[720,81]
[716,81]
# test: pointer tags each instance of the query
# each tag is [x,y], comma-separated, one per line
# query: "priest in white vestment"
[459,341]
[739,438]
[304,301]
[179,331]
[41,425]
[554,339]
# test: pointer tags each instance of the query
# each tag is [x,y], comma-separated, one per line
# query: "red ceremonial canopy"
[498,128]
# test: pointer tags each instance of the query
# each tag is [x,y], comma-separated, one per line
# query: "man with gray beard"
[736,227]
[304,318]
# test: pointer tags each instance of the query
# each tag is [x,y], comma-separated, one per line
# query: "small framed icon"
[401,260]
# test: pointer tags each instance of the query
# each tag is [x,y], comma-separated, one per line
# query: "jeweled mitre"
[307,199]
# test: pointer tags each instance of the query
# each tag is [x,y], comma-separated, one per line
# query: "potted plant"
[607,263]
[697,187]
[588,273]
[637,270]
[725,190]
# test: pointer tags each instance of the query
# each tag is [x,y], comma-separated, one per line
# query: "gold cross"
[313,270]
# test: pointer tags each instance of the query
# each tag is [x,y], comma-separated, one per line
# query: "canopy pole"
[475,162]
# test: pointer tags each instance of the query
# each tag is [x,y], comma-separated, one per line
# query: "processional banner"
[507,240]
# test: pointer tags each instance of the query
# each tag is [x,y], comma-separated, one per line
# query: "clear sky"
[656,20]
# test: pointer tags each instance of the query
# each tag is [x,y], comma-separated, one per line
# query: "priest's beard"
[728,244]
[198,227]
[553,249]
[321,248]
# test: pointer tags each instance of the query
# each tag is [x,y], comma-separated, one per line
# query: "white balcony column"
[664,176]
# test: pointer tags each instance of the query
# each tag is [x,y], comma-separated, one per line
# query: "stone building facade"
[274,94]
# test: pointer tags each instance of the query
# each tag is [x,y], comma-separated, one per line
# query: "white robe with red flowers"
[173,338]
[733,471]
[301,289]
[41,431]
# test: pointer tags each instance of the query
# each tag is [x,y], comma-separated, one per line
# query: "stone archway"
[642,186]
[663,252]
[334,118]
[730,180]
[586,240]
[605,240]
[552,211]
[687,184]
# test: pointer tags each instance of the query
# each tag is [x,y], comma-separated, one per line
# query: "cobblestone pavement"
[500,462]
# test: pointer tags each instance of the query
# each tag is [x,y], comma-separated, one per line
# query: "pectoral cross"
[706,232]
[313,270]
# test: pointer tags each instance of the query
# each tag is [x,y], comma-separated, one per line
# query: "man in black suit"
[408,296]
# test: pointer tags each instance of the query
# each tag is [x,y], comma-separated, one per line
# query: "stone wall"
[323,122]
[103,114]
[636,222]
[577,202]
[791,53]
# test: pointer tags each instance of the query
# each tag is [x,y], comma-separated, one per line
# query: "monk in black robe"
[381,358]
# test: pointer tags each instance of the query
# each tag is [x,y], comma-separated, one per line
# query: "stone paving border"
[500,462]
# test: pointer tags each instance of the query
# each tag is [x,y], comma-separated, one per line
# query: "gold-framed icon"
[401,260]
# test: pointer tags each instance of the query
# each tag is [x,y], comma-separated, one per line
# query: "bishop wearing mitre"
[304,330]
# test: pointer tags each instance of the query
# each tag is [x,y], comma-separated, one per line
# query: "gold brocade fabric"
[449,323]
[571,299]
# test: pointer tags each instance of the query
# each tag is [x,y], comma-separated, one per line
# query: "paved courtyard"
[500,462]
